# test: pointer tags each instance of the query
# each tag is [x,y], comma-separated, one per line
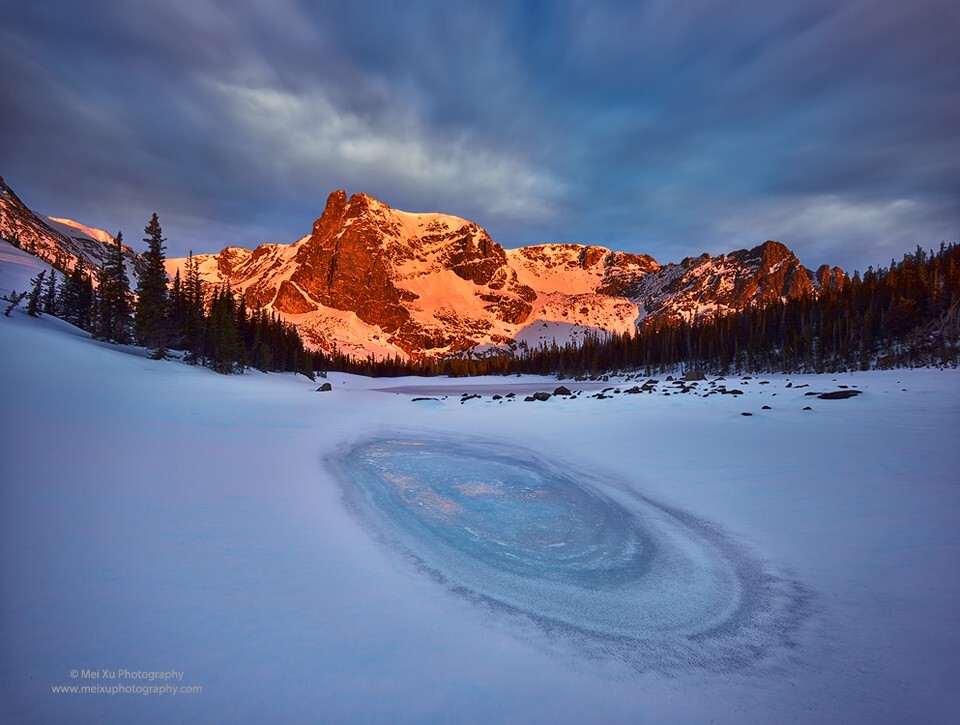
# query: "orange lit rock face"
[346,265]
[353,258]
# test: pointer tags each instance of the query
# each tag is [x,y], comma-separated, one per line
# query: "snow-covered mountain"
[62,243]
[370,279]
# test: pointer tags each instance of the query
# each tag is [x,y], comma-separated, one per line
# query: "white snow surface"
[354,555]
[75,229]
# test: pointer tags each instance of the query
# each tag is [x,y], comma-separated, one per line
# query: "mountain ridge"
[373,280]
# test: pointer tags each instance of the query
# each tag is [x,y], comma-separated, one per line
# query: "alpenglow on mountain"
[370,279]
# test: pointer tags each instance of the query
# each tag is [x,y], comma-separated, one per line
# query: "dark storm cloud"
[665,127]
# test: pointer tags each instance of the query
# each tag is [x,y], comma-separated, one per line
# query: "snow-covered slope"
[159,518]
[17,268]
[77,230]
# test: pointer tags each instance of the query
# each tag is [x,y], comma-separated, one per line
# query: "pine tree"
[50,294]
[34,304]
[193,312]
[114,308]
[151,322]
[70,294]
[87,303]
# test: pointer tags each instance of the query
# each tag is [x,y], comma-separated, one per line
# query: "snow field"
[155,516]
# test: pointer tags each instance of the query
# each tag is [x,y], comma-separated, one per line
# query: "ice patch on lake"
[593,564]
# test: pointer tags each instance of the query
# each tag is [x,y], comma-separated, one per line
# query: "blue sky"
[669,127]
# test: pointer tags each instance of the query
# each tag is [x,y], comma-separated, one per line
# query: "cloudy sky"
[670,127]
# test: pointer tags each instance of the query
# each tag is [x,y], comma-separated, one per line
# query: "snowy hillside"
[359,555]
[62,243]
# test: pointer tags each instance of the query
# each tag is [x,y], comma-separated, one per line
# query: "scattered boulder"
[562,390]
[497,397]
[694,375]
[808,408]
[466,397]
[632,391]
[415,400]
[746,414]
[766,407]
[510,395]
[529,399]
[810,393]
[541,396]
[838,394]
[325,388]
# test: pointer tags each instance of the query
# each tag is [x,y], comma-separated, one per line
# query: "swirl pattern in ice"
[599,565]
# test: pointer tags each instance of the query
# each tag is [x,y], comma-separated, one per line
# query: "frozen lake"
[606,569]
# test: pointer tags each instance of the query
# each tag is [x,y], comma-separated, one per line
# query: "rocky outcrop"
[346,265]
[705,284]
[828,277]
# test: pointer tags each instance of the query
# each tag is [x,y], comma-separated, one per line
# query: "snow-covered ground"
[356,556]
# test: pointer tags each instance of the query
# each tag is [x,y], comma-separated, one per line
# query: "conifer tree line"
[212,327]
[907,314]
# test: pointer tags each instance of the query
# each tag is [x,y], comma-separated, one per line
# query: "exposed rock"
[541,396]
[839,394]
[830,278]
[694,375]
[325,388]
[562,390]
[291,300]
